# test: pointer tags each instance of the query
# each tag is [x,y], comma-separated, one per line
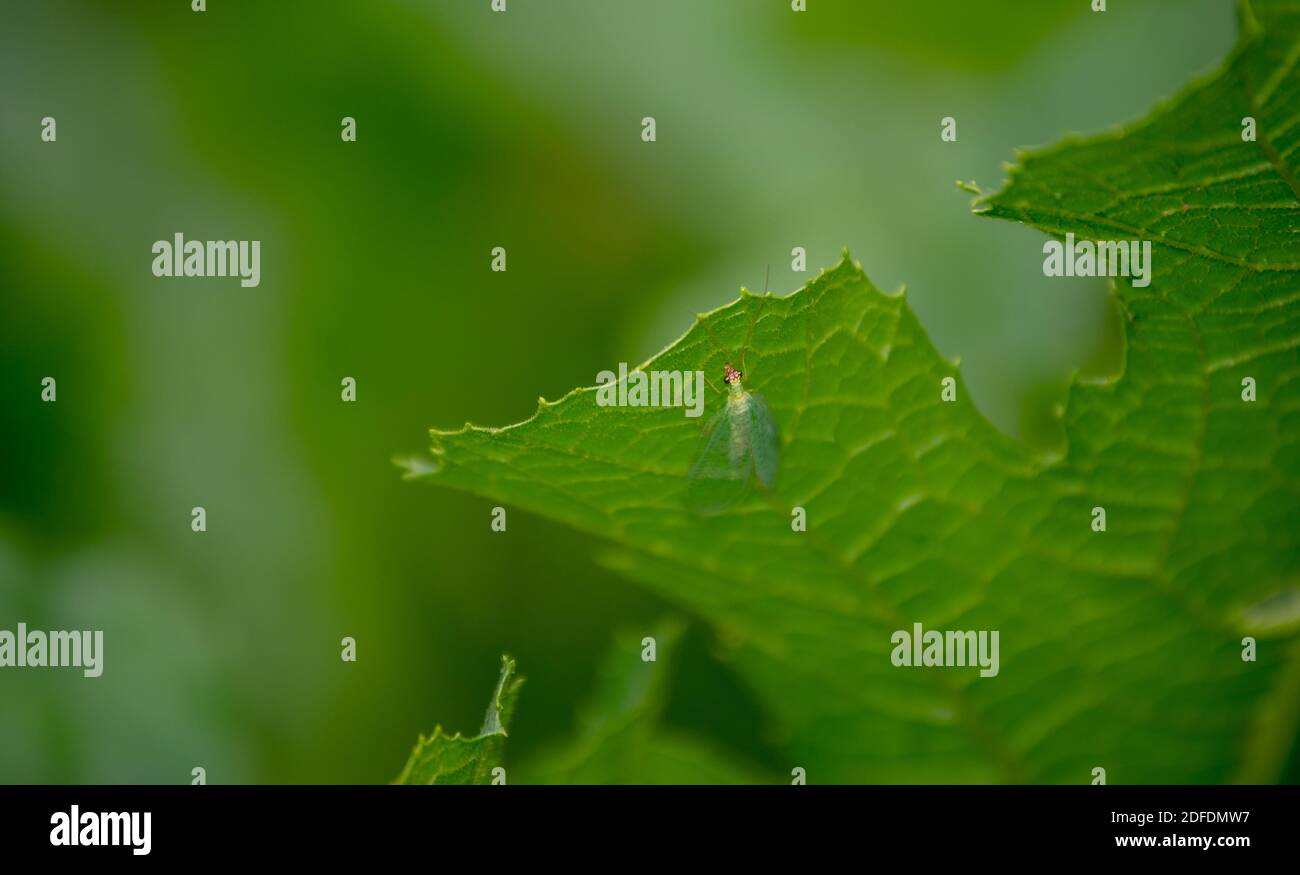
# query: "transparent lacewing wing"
[740,443]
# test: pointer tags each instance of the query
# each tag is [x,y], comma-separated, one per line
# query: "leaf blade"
[440,758]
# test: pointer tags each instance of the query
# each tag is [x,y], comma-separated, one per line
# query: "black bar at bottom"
[451,825]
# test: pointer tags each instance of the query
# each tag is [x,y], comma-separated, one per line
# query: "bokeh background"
[475,130]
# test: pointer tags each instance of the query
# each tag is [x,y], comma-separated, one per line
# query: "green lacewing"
[740,444]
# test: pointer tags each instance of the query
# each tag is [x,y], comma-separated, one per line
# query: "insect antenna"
[749,331]
[762,302]
[767,275]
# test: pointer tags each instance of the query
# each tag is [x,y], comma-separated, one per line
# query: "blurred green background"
[475,130]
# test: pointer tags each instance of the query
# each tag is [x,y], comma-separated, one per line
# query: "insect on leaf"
[740,442]
[719,477]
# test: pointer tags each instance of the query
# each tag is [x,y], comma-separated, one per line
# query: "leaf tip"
[415,466]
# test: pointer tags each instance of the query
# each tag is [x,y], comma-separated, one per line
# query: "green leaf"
[620,737]
[1119,649]
[454,759]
